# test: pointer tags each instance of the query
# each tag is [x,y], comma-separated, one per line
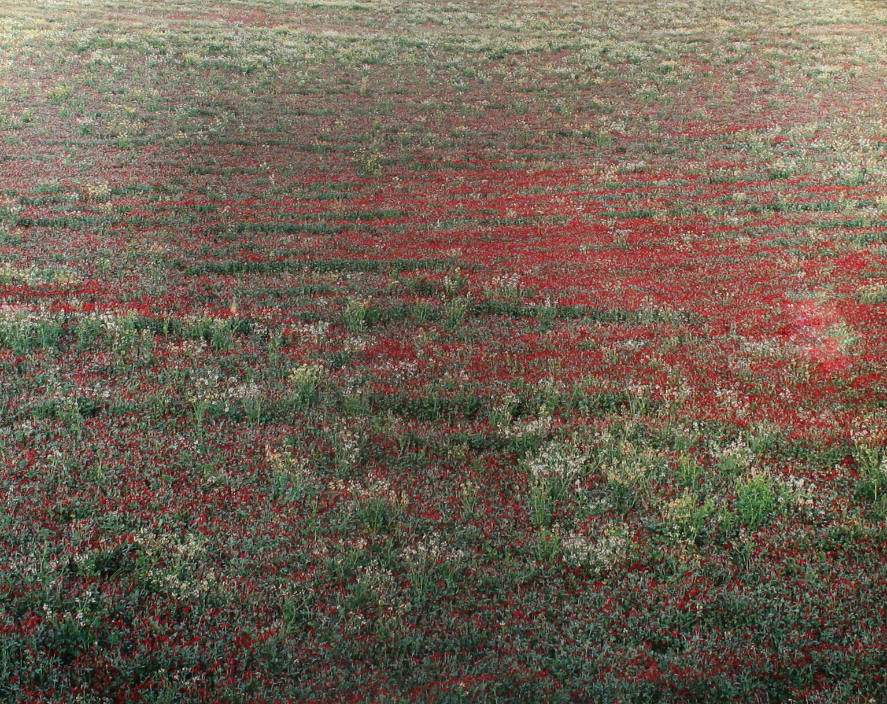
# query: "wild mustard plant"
[600,552]
[871,462]
[684,518]
[552,472]
[304,382]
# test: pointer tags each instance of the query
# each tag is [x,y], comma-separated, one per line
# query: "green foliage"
[492,428]
[686,517]
[356,315]
[871,462]
[25,333]
[756,500]
[689,471]
[456,310]
[378,515]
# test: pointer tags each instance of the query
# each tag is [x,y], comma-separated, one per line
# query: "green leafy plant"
[756,500]
[871,463]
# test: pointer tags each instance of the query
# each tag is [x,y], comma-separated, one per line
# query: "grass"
[467,352]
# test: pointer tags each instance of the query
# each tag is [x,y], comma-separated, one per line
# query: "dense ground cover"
[416,351]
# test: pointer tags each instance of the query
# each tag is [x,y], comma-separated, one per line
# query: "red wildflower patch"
[427,352]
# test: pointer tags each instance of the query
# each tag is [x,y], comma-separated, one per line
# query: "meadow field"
[470,351]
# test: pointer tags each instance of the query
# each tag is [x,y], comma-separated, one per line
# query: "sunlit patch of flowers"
[304,380]
[313,333]
[354,313]
[354,343]
[797,494]
[508,285]
[23,329]
[430,550]
[190,351]
[529,432]
[123,124]
[734,457]
[770,348]
[600,553]
[629,471]
[380,579]
[101,58]
[250,397]
[292,475]
[99,191]
[348,448]
[398,372]
[684,518]
[169,563]
[732,401]
[61,276]
[553,473]
[870,455]
[502,413]
[872,293]
[453,281]
[377,487]
[57,275]
[367,160]
[9,273]
[556,464]
[205,392]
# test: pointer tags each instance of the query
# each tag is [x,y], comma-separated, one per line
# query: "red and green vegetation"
[529,351]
